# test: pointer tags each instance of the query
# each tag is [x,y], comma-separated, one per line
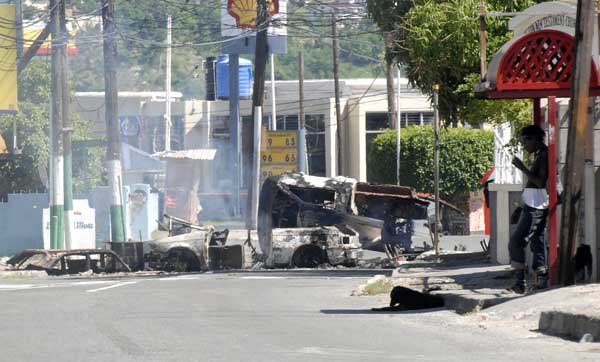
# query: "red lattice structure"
[540,60]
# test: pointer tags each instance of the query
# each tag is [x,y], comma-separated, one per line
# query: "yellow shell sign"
[244,11]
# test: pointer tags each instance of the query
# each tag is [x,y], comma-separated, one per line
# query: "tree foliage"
[22,173]
[442,40]
[465,156]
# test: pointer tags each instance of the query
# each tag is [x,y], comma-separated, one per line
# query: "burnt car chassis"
[294,209]
[64,262]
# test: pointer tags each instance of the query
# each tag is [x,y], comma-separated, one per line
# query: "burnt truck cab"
[301,221]
[305,221]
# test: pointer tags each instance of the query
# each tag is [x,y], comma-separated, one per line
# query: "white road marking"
[182,277]
[263,277]
[110,287]
[16,286]
[95,282]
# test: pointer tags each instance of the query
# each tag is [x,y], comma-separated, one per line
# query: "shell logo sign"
[244,11]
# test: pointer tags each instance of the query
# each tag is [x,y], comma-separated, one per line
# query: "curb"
[569,324]
[470,301]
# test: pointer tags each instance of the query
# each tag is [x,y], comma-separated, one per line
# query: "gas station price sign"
[279,153]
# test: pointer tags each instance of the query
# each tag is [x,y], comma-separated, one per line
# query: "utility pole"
[398,127]
[260,64]
[273,124]
[19,23]
[19,19]
[67,129]
[113,149]
[389,76]
[482,40]
[235,128]
[436,166]
[336,84]
[57,175]
[168,89]
[302,154]
[580,111]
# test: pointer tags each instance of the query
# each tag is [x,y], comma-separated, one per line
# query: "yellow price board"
[278,139]
[279,155]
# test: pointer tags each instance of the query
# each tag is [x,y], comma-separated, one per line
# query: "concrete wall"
[21,222]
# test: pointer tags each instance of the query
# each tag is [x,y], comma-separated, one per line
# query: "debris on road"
[379,284]
[63,262]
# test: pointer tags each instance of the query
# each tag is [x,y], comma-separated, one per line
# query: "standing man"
[532,221]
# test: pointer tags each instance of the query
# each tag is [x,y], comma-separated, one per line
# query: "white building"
[205,124]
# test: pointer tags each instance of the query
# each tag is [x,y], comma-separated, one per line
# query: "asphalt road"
[244,317]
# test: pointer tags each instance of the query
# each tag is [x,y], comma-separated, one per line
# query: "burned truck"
[301,221]
[305,221]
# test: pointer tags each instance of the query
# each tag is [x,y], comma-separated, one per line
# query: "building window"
[376,124]
[315,143]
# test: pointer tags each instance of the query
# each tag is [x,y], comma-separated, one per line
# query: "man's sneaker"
[518,288]
[541,281]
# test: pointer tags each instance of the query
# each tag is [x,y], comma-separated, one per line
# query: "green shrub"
[465,156]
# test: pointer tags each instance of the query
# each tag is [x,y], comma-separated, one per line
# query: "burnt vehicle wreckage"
[304,222]
[65,262]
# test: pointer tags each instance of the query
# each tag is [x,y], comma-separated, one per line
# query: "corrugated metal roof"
[204,154]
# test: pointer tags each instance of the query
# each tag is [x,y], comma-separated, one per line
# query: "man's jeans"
[530,229]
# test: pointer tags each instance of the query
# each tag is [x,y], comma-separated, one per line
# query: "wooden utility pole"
[336,84]
[67,129]
[482,40]
[436,167]
[302,154]
[56,136]
[113,149]
[168,88]
[580,110]
[389,76]
[260,64]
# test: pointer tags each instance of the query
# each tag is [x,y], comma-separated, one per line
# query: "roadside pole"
[336,83]
[580,112]
[398,121]
[482,40]
[235,128]
[168,88]
[255,170]
[260,63]
[67,128]
[57,179]
[273,123]
[389,77]
[113,151]
[19,21]
[302,152]
[436,166]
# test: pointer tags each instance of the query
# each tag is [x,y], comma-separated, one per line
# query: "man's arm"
[539,180]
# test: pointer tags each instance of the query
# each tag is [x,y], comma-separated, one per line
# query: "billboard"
[238,22]
[31,33]
[8,59]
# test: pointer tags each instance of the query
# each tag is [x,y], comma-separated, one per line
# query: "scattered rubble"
[379,284]
[63,262]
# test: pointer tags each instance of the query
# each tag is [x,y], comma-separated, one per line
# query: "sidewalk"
[469,284]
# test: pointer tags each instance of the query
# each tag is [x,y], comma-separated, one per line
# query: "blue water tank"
[245,74]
